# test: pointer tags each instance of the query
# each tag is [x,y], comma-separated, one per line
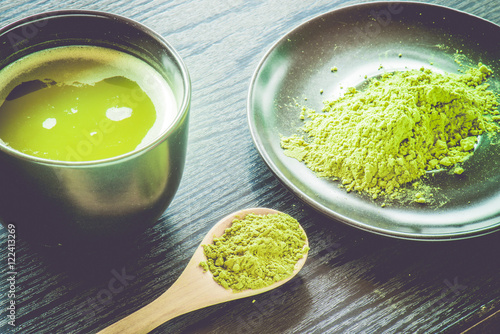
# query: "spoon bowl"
[195,288]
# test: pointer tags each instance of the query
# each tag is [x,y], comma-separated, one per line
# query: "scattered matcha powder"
[255,251]
[402,125]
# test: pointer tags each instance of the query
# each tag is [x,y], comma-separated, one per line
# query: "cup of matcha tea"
[93,126]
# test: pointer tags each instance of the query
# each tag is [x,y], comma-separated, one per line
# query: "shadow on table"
[99,284]
[88,262]
[336,244]
[445,283]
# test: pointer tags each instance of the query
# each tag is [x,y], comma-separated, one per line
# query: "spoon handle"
[174,302]
[193,290]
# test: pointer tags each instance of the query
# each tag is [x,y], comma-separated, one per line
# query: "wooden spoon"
[194,289]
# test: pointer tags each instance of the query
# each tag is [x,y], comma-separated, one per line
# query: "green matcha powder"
[403,125]
[255,251]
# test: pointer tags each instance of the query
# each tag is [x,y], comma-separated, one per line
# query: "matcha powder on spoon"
[256,251]
[402,125]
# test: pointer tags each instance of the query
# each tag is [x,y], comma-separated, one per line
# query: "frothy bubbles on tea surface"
[82,103]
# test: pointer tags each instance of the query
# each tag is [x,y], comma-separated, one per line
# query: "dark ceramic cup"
[65,202]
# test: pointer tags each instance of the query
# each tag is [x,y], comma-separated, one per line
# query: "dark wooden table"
[353,282]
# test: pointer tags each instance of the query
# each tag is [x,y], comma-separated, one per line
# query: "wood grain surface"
[353,281]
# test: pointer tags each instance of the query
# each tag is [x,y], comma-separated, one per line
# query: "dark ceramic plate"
[359,40]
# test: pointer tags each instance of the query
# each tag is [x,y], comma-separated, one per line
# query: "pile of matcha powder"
[402,125]
[255,251]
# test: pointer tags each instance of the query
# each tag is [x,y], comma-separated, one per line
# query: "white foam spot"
[118,114]
[49,123]
[74,111]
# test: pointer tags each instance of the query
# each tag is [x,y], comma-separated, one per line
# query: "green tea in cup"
[82,103]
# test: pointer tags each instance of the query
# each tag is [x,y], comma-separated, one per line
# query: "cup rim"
[182,109]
